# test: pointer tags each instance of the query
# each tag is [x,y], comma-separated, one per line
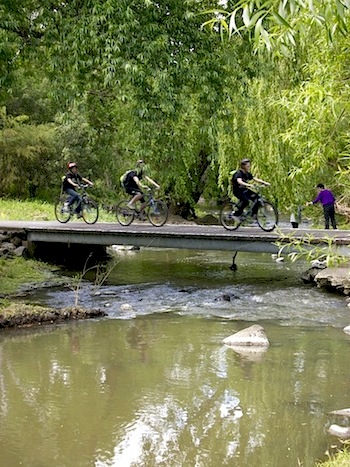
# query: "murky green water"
[153,385]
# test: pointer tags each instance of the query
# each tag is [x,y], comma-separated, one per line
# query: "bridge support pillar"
[233,266]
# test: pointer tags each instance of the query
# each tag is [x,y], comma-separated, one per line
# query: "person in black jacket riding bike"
[241,187]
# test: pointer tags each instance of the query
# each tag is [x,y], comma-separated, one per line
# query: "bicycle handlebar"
[258,187]
[150,189]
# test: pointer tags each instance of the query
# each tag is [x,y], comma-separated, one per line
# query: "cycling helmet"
[70,165]
[140,167]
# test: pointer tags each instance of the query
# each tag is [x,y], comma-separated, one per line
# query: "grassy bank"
[19,314]
[32,210]
[14,210]
[341,459]
[18,271]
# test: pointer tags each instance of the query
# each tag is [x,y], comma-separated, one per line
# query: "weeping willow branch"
[305,248]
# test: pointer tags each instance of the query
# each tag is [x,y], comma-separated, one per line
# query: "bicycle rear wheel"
[227,217]
[124,214]
[267,216]
[60,213]
[158,213]
[90,211]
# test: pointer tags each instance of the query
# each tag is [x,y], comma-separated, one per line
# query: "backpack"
[124,177]
[233,181]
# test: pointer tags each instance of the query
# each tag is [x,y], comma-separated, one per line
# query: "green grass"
[18,271]
[341,459]
[15,210]
[33,210]
[17,309]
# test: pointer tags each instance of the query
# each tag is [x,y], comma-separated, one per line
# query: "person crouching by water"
[327,199]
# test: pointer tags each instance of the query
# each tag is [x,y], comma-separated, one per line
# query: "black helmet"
[70,165]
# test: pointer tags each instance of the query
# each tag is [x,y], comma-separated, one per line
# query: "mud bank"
[23,315]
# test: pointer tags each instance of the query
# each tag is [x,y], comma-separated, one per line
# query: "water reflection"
[154,385]
[252,354]
[152,391]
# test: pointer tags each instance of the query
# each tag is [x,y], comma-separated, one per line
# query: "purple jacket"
[325,197]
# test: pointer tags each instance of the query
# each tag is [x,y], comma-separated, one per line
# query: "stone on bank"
[336,279]
[13,244]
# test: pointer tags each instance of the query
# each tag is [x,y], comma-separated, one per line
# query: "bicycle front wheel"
[227,217]
[124,214]
[158,213]
[61,214]
[90,211]
[267,216]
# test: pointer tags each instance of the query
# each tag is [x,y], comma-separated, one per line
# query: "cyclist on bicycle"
[241,187]
[71,181]
[133,186]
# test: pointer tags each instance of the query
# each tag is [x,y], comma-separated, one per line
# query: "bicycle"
[266,213]
[89,207]
[156,210]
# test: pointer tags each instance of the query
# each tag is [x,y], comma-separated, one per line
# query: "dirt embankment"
[20,315]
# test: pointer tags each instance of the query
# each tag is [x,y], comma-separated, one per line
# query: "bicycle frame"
[89,208]
[259,209]
[252,204]
[155,210]
[149,200]
[83,198]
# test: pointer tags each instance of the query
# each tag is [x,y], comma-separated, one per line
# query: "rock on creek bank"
[336,279]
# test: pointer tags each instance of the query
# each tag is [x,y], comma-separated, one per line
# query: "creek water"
[153,385]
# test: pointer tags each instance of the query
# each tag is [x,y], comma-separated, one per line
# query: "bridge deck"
[187,236]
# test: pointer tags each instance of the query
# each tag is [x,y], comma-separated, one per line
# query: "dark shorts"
[134,191]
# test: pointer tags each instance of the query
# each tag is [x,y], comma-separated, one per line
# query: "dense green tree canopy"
[110,81]
[144,71]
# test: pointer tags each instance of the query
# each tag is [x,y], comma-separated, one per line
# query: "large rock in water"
[341,432]
[252,336]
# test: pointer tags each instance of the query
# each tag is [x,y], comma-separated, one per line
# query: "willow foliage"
[294,120]
[279,25]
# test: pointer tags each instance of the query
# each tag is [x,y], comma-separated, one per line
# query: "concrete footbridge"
[184,236]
